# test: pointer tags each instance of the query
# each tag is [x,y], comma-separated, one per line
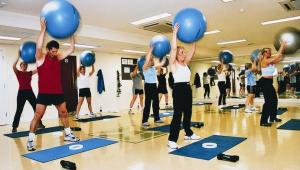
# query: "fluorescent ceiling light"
[212,32]
[280,20]
[231,42]
[81,45]
[232,64]
[134,51]
[227,0]
[9,38]
[215,61]
[150,19]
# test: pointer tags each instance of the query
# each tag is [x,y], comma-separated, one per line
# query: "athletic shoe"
[193,137]
[159,121]
[130,112]
[93,114]
[71,138]
[248,111]
[172,145]
[76,117]
[30,145]
[220,106]
[14,130]
[275,120]
[145,124]
[266,124]
[253,108]
[41,126]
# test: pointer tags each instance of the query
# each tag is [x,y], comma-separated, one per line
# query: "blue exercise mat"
[39,131]
[166,128]
[97,118]
[51,154]
[293,124]
[195,150]
[280,111]
[164,114]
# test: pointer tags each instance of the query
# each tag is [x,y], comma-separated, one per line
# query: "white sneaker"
[76,117]
[30,145]
[159,121]
[254,108]
[220,106]
[93,114]
[172,145]
[146,124]
[193,137]
[71,138]
[248,110]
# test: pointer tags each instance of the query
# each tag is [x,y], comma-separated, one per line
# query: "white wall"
[109,63]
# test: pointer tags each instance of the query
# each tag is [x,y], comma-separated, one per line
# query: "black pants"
[151,94]
[23,95]
[271,100]
[182,103]
[222,89]
[207,90]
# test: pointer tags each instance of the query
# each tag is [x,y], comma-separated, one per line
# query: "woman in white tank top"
[84,89]
[266,63]
[182,93]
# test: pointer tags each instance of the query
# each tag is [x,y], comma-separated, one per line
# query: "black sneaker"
[266,124]
[275,120]
[41,126]
[14,130]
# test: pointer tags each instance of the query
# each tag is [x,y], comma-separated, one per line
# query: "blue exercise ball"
[161,46]
[141,62]
[62,18]
[192,25]
[292,38]
[226,56]
[87,58]
[27,52]
[254,55]
[211,71]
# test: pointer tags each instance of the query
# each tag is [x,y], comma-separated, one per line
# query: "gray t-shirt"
[137,81]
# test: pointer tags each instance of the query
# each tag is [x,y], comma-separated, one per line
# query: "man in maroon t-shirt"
[50,86]
[24,93]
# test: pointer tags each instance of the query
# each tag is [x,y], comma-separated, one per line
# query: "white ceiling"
[226,17]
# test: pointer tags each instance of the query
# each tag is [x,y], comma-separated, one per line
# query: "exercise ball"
[161,46]
[62,18]
[226,56]
[87,58]
[292,38]
[192,25]
[27,52]
[254,55]
[141,62]
[211,71]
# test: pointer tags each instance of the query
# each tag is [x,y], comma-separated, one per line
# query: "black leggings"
[151,94]
[222,89]
[23,95]
[207,90]
[271,100]
[182,103]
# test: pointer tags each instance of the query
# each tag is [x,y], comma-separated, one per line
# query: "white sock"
[31,136]
[68,130]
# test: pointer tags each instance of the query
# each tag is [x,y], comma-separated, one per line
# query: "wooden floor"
[265,148]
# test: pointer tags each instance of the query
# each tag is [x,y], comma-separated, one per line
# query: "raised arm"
[15,65]
[70,50]
[279,56]
[34,71]
[220,69]
[174,45]
[78,71]
[39,46]
[148,58]
[190,54]
[92,71]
